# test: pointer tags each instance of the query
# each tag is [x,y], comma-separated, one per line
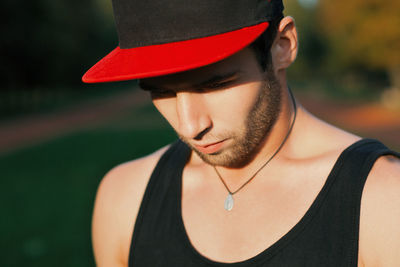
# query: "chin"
[225,158]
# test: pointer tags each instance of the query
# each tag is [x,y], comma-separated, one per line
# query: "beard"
[257,127]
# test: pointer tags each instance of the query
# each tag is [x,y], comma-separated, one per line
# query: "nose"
[193,115]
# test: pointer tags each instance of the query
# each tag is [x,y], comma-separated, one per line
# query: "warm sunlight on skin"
[219,136]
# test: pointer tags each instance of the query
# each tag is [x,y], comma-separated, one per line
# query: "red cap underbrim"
[157,60]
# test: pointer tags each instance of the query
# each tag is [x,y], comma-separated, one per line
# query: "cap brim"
[157,60]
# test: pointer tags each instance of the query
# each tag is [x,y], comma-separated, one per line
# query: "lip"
[210,148]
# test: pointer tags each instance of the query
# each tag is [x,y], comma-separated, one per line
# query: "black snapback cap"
[163,37]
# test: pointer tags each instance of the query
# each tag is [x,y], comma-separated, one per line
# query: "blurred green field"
[47,191]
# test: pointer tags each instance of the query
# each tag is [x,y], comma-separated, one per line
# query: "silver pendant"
[228,205]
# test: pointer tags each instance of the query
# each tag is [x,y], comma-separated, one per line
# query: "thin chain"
[265,164]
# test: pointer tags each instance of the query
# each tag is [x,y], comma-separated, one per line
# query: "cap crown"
[151,22]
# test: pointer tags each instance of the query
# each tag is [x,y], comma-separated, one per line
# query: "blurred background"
[58,137]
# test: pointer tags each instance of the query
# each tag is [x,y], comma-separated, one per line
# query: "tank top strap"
[158,209]
[327,235]
[352,172]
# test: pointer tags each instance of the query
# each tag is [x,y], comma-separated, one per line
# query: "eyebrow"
[212,82]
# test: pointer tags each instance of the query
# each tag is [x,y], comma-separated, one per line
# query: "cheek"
[236,103]
[166,107]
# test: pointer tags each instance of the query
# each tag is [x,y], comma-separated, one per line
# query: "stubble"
[258,125]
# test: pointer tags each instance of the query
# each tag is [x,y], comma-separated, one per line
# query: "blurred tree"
[363,33]
[51,43]
[311,44]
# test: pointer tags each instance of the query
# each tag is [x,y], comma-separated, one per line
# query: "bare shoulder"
[315,138]
[379,240]
[380,214]
[117,203]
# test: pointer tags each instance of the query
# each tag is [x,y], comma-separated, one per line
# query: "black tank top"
[327,235]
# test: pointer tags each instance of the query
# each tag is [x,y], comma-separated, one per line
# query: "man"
[255,180]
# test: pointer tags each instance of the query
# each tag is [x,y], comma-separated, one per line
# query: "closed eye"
[217,85]
[217,82]
[220,85]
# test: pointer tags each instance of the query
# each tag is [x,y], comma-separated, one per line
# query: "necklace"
[228,204]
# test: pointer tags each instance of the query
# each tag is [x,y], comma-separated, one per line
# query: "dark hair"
[262,45]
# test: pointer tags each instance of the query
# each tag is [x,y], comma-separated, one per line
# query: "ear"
[285,46]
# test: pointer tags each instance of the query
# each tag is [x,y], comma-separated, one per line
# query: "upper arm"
[116,206]
[380,215]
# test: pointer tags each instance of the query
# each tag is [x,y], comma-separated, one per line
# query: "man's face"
[223,111]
